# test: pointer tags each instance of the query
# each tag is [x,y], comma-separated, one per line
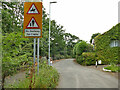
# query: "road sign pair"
[32,20]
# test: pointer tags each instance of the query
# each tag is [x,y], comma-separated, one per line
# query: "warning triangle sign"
[32,23]
[33,10]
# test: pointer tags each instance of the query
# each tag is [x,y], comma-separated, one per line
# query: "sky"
[84,17]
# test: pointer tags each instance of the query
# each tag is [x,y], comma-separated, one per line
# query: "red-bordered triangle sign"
[33,10]
[32,24]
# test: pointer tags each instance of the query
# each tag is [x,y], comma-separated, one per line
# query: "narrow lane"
[73,75]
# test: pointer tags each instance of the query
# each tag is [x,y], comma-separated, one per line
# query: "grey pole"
[38,57]
[49,33]
[38,54]
[49,28]
[34,50]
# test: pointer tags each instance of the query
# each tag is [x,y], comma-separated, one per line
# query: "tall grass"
[48,78]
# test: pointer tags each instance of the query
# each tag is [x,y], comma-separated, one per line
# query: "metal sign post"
[34,50]
[38,54]
[38,58]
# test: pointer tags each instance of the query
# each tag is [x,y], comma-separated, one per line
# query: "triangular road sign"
[33,10]
[32,23]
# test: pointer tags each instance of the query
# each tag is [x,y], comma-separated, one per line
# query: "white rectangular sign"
[32,32]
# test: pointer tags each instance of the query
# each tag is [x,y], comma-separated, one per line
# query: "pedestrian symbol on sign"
[32,23]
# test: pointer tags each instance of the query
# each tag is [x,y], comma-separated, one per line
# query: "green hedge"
[87,58]
[102,46]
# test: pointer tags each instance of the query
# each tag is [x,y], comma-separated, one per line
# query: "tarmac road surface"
[73,75]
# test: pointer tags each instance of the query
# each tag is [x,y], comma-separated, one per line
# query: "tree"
[12,16]
[81,47]
[57,40]
[70,41]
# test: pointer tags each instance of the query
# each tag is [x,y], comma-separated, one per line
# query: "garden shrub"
[16,53]
[78,59]
[43,59]
[81,47]
[67,56]
[58,56]
[87,58]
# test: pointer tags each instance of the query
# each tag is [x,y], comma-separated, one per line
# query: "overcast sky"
[84,17]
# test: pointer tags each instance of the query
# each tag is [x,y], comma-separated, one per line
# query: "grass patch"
[113,68]
[48,78]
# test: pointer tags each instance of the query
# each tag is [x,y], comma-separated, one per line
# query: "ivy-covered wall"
[102,45]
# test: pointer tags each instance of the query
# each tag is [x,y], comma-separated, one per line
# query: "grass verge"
[113,68]
[48,78]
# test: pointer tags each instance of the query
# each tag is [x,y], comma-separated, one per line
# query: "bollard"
[96,64]
[50,63]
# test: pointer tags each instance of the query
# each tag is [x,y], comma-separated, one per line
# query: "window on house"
[115,43]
